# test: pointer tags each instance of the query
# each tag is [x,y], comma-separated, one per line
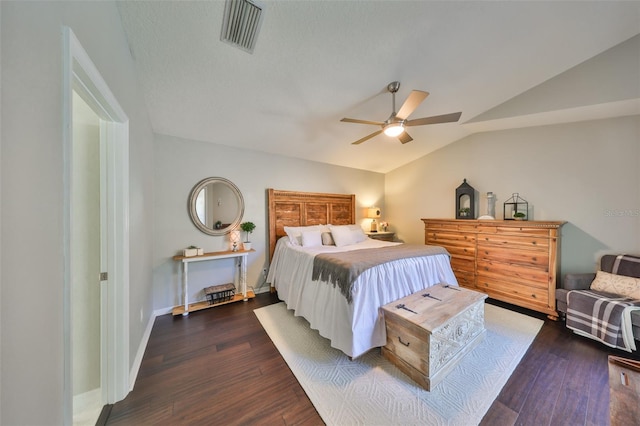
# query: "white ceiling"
[318,61]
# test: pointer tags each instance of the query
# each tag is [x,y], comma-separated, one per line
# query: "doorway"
[86,263]
[103,162]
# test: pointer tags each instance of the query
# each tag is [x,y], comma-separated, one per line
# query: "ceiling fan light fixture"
[393,129]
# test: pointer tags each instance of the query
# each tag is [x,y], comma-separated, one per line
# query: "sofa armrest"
[577,281]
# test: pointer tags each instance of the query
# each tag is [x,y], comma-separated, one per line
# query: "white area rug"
[371,391]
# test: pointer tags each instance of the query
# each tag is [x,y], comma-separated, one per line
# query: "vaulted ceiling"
[316,61]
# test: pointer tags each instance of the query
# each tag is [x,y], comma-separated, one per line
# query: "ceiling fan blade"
[404,137]
[445,118]
[366,138]
[353,120]
[413,101]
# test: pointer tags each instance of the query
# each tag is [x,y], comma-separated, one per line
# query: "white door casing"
[81,75]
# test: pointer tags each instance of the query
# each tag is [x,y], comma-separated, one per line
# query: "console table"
[240,280]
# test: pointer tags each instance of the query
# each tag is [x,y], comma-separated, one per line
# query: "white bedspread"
[357,327]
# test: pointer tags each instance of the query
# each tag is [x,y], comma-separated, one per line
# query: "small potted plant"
[247,227]
[464,212]
[519,216]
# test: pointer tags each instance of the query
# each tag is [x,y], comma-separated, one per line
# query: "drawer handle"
[405,344]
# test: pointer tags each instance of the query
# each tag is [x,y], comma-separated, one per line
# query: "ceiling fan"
[394,126]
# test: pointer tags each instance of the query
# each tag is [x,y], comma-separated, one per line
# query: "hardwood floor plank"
[543,396]
[499,414]
[218,366]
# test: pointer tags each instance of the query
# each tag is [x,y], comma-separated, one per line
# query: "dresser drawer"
[443,238]
[532,258]
[528,242]
[534,276]
[514,230]
[461,251]
[463,264]
[465,278]
[536,298]
[456,226]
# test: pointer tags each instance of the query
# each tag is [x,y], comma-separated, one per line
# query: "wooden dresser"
[513,261]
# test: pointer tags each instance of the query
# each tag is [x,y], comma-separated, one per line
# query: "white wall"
[180,164]
[611,76]
[31,308]
[584,173]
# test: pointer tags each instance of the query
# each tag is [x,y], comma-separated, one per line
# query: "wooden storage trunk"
[624,391]
[429,338]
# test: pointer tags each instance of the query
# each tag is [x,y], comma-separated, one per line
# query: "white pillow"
[359,235]
[342,235]
[347,234]
[311,238]
[617,284]
[295,232]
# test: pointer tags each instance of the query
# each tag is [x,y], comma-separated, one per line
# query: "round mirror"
[216,206]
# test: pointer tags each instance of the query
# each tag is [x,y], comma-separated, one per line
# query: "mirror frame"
[192,206]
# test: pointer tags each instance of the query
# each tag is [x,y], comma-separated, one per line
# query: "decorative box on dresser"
[510,260]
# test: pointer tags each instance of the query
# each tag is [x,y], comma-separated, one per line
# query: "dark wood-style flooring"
[219,367]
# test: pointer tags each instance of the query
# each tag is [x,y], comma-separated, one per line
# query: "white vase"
[246,246]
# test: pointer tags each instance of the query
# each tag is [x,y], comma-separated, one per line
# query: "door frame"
[81,75]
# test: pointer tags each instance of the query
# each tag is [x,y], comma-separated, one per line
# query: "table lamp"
[234,240]
[373,213]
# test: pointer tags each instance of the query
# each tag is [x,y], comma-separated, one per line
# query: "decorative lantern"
[516,208]
[465,201]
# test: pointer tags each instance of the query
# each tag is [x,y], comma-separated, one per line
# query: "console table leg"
[243,277]
[185,288]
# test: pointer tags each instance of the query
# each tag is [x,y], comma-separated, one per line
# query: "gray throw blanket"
[603,317]
[342,269]
[622,264]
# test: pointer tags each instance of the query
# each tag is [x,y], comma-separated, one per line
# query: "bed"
[353,326]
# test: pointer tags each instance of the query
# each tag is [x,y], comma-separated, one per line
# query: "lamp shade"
[373,212]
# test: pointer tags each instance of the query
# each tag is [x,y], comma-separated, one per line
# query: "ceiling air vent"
[242,21]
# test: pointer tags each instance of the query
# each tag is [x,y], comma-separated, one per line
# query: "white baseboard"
[264,289]
[135,368]
[163,311]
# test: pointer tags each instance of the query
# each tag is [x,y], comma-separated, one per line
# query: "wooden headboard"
[293,208]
